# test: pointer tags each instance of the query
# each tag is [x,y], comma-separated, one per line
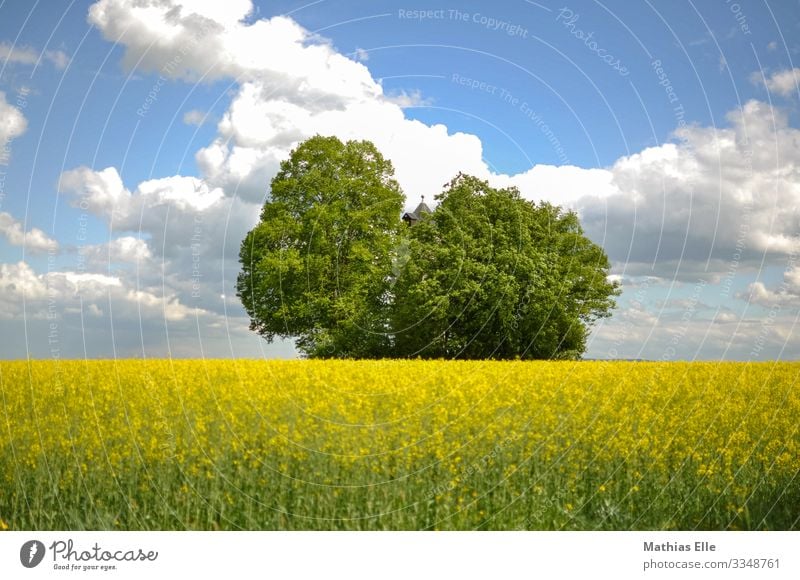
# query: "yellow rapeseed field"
[168,444]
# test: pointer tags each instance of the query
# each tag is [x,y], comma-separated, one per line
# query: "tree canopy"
[315,266]
[487,274]
[492,275]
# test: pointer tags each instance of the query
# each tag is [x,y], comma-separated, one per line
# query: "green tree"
[491,275]
[318,265]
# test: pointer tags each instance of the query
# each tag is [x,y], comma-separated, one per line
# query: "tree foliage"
[492,275]
[316,265]
[487,274]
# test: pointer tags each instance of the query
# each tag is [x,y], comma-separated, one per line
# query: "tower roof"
[414,216]
[421,209]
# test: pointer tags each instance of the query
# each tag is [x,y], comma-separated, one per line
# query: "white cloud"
[122,250]
[59,58]
[73,290]
[258,131]
[309,88]
[194,117]
[12,123]
[784,82]
[128,249]
[103,190]
[725,317]
[719,195]
[29,56]
[207,39]
[19,278]
[103,194]
[787,293]
[187,234]
[564,185]
[408,99]
[18,281]
[34,240]
[705,335]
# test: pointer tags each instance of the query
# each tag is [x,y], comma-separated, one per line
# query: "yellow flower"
[392,444]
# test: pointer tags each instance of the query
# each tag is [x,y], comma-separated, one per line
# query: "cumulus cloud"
[73,314]
[257,132]
[34,240]
[73,290]
[309,89]
[12,123]
[706,334]
[565,185]
[784,82]
[128,249]
[186,236]
[786,293]
[103,194]
[124,250]
[206,39]
[408,99]
[194,117]
[717,196]
[59,58]
[28,56]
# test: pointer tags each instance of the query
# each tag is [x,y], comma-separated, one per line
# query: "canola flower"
[167,444]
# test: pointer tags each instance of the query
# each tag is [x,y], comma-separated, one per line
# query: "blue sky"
[138,143]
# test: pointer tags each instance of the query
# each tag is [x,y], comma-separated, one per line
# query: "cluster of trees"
[486,274]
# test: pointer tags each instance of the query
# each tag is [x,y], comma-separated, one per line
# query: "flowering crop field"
[142,445]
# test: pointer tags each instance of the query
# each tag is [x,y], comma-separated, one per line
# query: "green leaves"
[491,275]
[317,264]
[487,274]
